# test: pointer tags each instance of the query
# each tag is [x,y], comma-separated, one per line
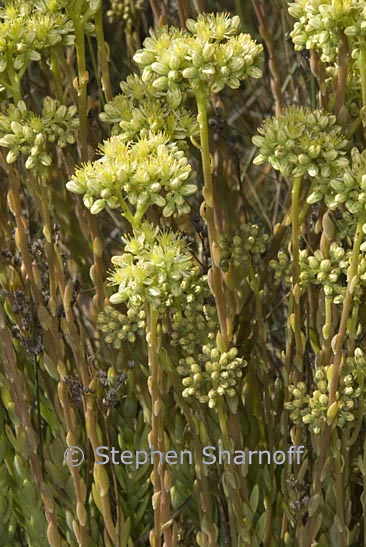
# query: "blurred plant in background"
[183,265]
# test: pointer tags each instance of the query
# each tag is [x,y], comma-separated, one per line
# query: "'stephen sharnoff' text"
[210,455]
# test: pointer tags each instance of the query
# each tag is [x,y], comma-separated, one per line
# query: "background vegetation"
[232,311]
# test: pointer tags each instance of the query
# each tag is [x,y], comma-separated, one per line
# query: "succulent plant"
[233,314]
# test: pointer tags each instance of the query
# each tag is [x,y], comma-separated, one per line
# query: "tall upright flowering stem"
[208,194]
[155,435]
[79,20]
[102,52]
[335,373]
[161,497]
[362,64]
[83,76]
[295,195]
[286,142]
[347,306]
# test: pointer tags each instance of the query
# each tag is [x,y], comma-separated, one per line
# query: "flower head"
[28,28]
[320,23]
[216,27]
[212,53]
[24,132]
[153,268]
[148,172]
[349,188]
[141,108]
[301,142]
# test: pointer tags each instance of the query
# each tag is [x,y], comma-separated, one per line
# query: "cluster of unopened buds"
[313,409]
[23,132]
[148,172]
[196,320]
[239,249]
[282,268]
[213,375]
[121,9]
[357,364]
[331,273]
[303,143]
[320,23]
[326,272]
[118,326]
[140,109]
[349,188]
[211,52]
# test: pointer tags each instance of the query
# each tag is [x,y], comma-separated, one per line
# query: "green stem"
[152,316]
[285,379]
[56,75]
[140,211]
[327,329]
[295,195]
[362,65]
[13,79]
[339,489]
[102,52]
[95,70]
[127,213]
[216,284]
[233,492]
[353,329]
[351,280]
[342,77]
[82,78]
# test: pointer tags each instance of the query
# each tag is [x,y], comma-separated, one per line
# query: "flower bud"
[332,412]
[160,68]
[190,73]
[97,206]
